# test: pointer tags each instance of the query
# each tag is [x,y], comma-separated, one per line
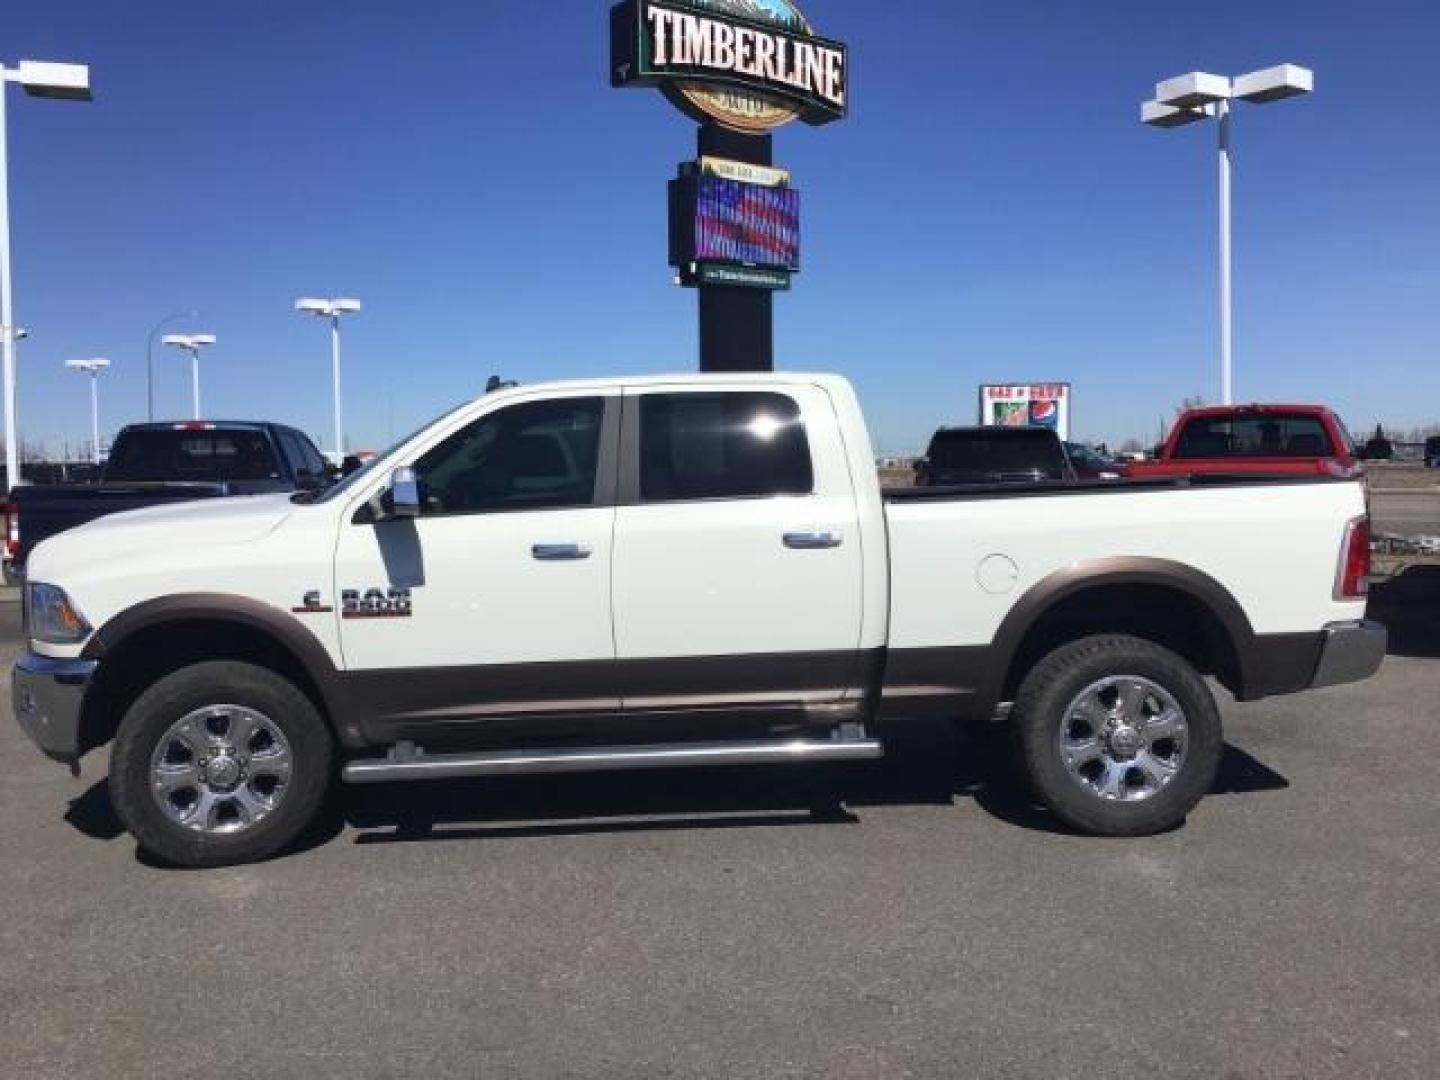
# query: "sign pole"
[737,325]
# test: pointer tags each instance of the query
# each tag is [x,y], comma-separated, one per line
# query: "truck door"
[495,601]
[737,565]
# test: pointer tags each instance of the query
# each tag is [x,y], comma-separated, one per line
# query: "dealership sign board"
[749,227]
[743,172]
[1026,404]
[748,65]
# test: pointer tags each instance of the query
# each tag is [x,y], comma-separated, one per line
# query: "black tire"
[1039,712]
[196,687]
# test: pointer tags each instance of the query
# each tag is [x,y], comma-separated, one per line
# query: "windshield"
[149,454]
[993,453]
[1350,444]
[362,473]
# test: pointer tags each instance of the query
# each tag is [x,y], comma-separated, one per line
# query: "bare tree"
[1418,434]
[1186,404]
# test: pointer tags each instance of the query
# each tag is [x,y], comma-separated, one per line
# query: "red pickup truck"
[1291,440]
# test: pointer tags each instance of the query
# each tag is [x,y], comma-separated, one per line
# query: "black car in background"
[150,464]
[1432,452]
[993,455]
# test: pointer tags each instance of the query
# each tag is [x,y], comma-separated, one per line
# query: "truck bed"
[962,558]
[47,509]
[1072,487]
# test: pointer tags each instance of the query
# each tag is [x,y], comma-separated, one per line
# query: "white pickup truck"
[671,571]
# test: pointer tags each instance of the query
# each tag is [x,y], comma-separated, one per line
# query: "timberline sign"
[748,65]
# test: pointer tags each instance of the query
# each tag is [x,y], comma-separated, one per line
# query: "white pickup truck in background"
[669,571]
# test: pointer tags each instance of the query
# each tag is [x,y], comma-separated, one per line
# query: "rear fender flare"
[1044,595]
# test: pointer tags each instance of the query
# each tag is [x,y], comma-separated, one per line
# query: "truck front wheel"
[220,763]
[1117,735]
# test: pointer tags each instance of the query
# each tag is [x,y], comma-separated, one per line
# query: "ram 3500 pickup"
[1240,440]
[691,570]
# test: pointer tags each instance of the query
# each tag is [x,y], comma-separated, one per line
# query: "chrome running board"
[408,762]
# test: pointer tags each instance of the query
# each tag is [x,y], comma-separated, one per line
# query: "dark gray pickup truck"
[993,455]
[150,464]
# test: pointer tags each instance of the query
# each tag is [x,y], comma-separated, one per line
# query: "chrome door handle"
[816,538]
[558,552]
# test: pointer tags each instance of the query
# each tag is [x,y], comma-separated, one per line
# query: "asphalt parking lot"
[910,917]
[1406,513]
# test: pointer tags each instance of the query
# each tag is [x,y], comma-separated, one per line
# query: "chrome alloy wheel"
[220,769]
[1123,738]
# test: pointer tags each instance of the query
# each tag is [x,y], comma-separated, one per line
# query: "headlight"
[51,617]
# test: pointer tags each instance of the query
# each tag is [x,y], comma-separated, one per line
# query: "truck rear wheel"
[1117,735]
[220,763]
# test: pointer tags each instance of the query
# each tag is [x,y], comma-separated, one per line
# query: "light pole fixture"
[332,309]
[94,368]
[191,343]
[44,80]
[1199,95]
[150,358]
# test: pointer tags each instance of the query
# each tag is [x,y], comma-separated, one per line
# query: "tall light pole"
[14,334]
[150,358]
[94,368]
[1202,96]
[46,80]
[332,309]
[192,344]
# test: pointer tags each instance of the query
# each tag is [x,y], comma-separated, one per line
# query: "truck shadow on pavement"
[1409,606]
[927,763]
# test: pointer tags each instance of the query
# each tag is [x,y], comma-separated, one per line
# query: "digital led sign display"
[746,224]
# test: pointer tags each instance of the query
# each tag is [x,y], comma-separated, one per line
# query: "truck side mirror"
[404,493]
[309,481]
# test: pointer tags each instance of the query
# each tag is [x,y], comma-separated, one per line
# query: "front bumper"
[1350,652]
[48,695]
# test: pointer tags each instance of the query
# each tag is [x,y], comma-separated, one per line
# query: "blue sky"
[991,210]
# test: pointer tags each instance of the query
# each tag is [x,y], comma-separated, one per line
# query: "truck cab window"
[314,461]
[722,446]
[154,455]
[1259,436]
[290,444]
[536,456]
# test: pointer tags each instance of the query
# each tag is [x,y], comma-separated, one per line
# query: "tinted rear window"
[192,455]
[998,452]
[1268,435]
